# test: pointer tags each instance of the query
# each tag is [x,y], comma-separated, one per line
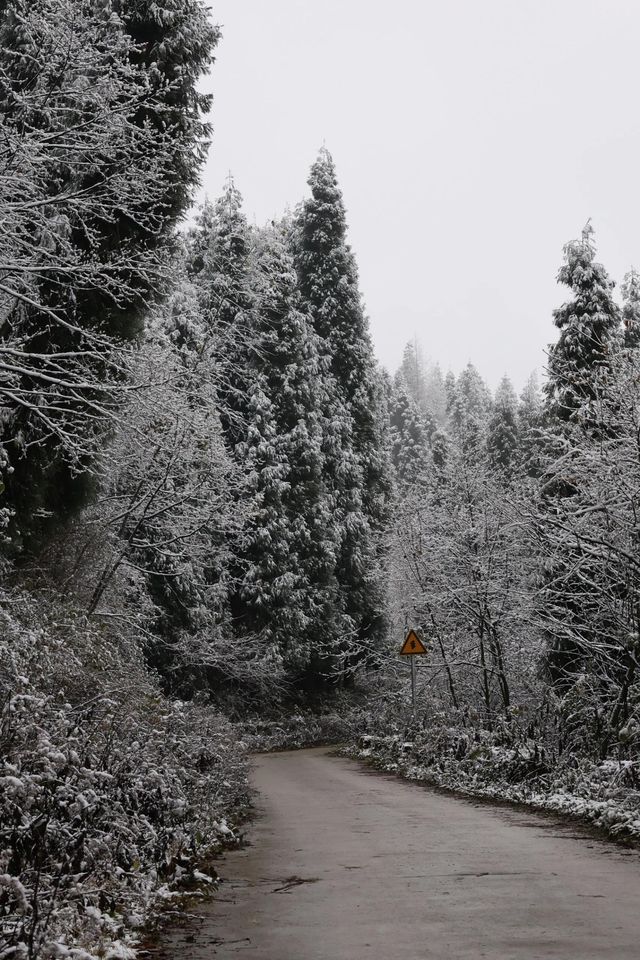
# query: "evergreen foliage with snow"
[413,372]
[589,327]
[502,437]
[219,261]
[469,408]
[409,435]
[579,364]
[529,426]
[290,373]
[356,450]
[630,290]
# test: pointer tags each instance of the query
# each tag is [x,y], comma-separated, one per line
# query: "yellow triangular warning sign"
[412,645]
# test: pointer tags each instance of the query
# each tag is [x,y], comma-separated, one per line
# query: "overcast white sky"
[472,139]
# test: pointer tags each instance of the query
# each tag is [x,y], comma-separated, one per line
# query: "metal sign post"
[413,683]
[412,647]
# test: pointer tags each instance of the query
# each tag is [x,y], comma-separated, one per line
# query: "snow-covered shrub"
[300,728]
[109,792]
[517,760]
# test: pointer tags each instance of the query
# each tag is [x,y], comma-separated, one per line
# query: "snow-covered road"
[350,865]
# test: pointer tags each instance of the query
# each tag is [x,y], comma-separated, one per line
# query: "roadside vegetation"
[514,551]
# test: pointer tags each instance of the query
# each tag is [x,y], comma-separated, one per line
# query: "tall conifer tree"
[436,397]
[589,327]
[449,393]
[469,410]
[295,592]
[413,372]
[590,331]
[502,439]
[220,263]
[530,422]
[356,454]
[409,436]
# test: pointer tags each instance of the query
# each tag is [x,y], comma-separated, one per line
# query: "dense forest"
[215,505]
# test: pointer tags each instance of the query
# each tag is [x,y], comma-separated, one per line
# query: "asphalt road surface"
[345,864]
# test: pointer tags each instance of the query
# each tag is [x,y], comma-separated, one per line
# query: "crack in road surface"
[294,882]
[372,868]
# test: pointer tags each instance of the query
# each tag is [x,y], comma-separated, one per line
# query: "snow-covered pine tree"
[502,437]
[590,335]
[414,373]
[435,395]
[198,238]
[630,290]
[219,260]
[449,393]
[356,461]
[589,327]
[265,605]
[440,449]
[424,382]
[469,410]
[291,552]
[174,42]
[409,435]
[530,422]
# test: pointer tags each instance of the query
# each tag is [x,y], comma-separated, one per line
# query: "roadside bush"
[518,760]
[110,793]
[301,728]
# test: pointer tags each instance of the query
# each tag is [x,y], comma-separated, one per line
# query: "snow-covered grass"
[479,763]
[110,793]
